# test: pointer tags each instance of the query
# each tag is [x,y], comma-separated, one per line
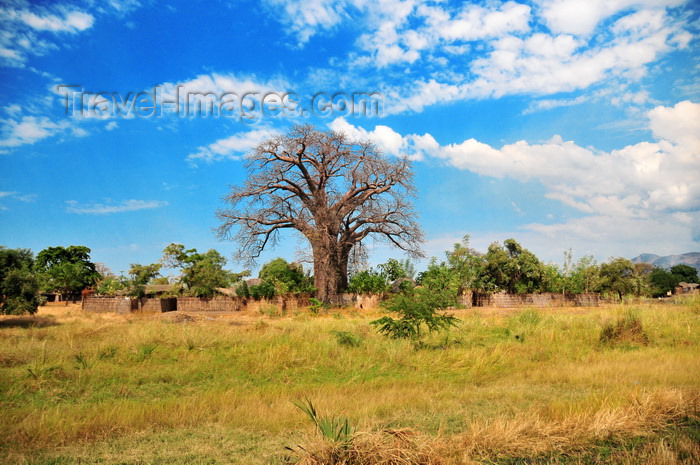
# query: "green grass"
[111,389]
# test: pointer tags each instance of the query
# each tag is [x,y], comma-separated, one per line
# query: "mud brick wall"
[147,305]
[503,300]
[101,304]
[212,304]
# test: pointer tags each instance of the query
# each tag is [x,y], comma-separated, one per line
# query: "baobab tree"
[333,190]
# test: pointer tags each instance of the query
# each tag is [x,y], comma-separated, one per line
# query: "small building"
[686,288]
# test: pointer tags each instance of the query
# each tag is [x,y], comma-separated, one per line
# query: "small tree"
[142,275]
[202,273]
[418,310]
[466,265]
[286,278]
[66,269]
[512,268]
[18,284]
[617,276]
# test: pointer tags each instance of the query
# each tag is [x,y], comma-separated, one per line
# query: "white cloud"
[109,207]
[28,130]
[648,183]
[233,147]
[549,104]
[16,196]
[37,28]
[308,17]
[71,22]
[580,17]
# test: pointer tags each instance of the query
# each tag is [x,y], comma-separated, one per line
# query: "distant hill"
[691,258]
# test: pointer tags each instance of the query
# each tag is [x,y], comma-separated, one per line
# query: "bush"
[347,339]
[242,290]
[626,330]
[264,290]
[416,310]
[367,282]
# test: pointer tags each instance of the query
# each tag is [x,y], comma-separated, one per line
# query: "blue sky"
[561,123]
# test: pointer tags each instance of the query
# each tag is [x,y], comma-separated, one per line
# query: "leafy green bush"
[264,290]
[417,310]
[286,278]
[368,282]
[242,290]
[315,306]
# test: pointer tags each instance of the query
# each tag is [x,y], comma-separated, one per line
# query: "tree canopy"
[66,269]
[202,273]
[333,190]
[18,284]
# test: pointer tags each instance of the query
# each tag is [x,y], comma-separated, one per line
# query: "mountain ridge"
[667,261]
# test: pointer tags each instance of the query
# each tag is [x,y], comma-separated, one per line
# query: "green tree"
[662,282]
[368,282]
[286,278]
[19,287]
[465,265]
[66,269]
[395,269]
[617,276]
[512,268]
[140,275]
[685,273]
[585,275]
[202,273]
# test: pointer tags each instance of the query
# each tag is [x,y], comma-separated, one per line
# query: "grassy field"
[505,387]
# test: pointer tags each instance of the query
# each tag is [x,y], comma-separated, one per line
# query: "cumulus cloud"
[28,130]
[109,207]
[233,147]
[580,17]
[645,186]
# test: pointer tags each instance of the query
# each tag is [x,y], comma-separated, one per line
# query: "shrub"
[315,306]
[416,310]
[242,290]
[367,282]
[264,290]
[625,330]
[347,339]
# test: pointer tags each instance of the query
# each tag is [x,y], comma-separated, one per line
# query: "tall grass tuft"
[347,339]
[626,330]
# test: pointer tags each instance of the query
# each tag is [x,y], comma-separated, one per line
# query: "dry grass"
[204,388]
[526,435]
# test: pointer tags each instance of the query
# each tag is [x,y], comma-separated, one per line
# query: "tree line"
[337,193]
[506,267]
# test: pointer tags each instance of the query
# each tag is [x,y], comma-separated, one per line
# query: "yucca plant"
[335,429]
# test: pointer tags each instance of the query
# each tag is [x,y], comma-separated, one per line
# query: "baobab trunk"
[330,273]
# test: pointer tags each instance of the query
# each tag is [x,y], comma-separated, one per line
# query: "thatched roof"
[162,288]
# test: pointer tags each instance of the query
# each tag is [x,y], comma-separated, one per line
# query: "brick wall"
[103,304]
